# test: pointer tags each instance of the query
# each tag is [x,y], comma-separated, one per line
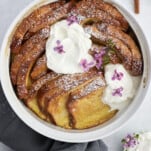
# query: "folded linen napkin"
[18,136]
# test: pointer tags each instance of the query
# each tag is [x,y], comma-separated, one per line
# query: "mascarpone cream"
[67,45]
[121,86]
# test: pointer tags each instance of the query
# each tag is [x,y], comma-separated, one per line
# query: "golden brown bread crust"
[99,10]
[39,69]
[52,17]
[29,24]
[122,50]
[37,85]
[26,48]
[26,66]
[32,103]
[112,11]
[129,42]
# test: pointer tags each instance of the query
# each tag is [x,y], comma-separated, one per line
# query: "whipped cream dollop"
[121,86]
[142,143]
[67,47]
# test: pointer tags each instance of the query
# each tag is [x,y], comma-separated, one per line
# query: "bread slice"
[85,106]
[58,13]
[39,69]
[32,101]
[38,84]
[45,94]
[25,68]
[26,48]
[122,50]
[99,10]
[56,105]
[32,104]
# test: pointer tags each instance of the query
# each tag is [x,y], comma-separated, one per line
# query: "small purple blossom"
[59,47]
[118,92]
[117,75]
[130,141]
[72,19]
[98,57]
[86,65]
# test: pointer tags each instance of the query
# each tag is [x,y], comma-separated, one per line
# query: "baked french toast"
[72,100]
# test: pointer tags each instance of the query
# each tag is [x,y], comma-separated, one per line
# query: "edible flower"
[130,141]
[72,19]
[86,65]
[98,57]
[59,47]
[118,92]
[117,75]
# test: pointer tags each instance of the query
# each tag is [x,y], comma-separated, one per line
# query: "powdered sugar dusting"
[39,83]
[44,33]
[94,85]
[70,81]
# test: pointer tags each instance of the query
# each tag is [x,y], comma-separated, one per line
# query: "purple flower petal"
[98,57]
[117,75]
[86,65]
[71,20]
[59,47]
[118,92]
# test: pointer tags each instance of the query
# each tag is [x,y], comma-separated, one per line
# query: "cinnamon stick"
[137,6]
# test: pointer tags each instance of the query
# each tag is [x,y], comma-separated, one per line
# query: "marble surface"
[141,121]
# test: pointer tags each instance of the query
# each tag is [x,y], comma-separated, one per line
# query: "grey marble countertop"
[141,121]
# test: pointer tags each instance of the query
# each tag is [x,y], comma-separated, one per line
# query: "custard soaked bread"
[89,34]
[55,99]
[85,107]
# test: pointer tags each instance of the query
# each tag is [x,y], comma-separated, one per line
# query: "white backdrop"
[141,121]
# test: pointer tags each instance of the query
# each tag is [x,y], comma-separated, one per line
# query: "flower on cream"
[71,20]
[67,46]
[59,47]
[118,92]
[86,65]
[117,75]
